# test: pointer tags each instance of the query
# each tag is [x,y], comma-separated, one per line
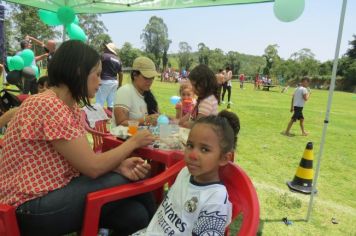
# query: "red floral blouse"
[29,165]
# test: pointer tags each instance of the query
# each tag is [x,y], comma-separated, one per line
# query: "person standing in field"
[220,79]
[227,85]
[300,96]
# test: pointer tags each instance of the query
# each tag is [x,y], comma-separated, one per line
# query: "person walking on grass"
[300,96]
[227,85]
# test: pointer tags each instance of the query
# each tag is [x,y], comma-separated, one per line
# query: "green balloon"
[16,63]
[36,70]
[27,56]
[76,20]
[8,62]
[66,15]
[75,32]
[288,10]
[48,17]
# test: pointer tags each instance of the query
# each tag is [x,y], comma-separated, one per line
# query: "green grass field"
[271,159]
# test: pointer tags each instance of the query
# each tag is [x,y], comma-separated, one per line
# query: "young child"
[186,105]
[300,96]
[205,86]
[197,203]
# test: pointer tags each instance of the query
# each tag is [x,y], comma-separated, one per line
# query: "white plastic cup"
[164,131]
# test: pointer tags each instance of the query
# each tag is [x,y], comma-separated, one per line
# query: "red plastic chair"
[97,199]
[22,97]
[8,222]
[108,112]
[243,197]
[98,132]
[242,194]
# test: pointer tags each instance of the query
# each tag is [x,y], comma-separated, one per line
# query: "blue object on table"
[162,120]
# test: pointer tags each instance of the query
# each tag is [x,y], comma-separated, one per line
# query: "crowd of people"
[47,166]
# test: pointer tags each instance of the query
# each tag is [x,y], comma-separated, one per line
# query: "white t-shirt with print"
[191,208]
[298,100]
[128,98]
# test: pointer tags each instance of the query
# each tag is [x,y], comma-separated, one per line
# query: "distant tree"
[217,59]
[342,66]
[184,56]
[325,68]
[165,54]
[232,59]
[155,38]
[271,54]
[302,55]
[351,52]
[306,59]
[203,52]
[95,30]
[128,54]
[350,74]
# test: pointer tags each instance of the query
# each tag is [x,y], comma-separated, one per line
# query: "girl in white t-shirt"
[205,87]
[197,203]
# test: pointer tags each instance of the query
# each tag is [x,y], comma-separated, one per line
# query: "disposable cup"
[133,126]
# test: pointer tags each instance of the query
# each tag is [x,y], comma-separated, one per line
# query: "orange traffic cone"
[303,179]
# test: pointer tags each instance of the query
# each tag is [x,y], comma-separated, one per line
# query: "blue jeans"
[107,92]
[61,211]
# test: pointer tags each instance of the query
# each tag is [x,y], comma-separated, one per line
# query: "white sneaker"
[222,102]
[230,102]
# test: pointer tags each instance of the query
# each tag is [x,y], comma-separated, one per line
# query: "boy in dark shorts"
[300,96]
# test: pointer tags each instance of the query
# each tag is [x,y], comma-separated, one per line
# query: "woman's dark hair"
[227,126]
[151,102]
[204,81]
[42,80]
[71,65]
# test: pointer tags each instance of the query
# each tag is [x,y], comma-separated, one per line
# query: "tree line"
[23,20]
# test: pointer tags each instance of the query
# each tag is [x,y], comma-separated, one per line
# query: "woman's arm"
[38,42]
[7,116]
[81,156]
[121,116]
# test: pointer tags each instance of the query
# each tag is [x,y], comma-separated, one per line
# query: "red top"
[30,167]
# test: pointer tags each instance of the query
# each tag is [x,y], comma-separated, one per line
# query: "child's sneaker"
[230,103]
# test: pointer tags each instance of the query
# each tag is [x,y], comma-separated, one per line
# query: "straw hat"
[111,47]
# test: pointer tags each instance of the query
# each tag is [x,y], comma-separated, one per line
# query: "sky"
[247,28]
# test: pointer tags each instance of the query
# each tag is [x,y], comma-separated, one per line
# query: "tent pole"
[330,98]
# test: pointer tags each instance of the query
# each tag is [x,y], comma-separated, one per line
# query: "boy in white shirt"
[300,96]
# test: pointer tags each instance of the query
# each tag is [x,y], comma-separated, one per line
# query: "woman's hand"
[134,168]
[152,119]
[142,138]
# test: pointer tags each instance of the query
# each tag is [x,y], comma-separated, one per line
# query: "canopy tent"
[107,6]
